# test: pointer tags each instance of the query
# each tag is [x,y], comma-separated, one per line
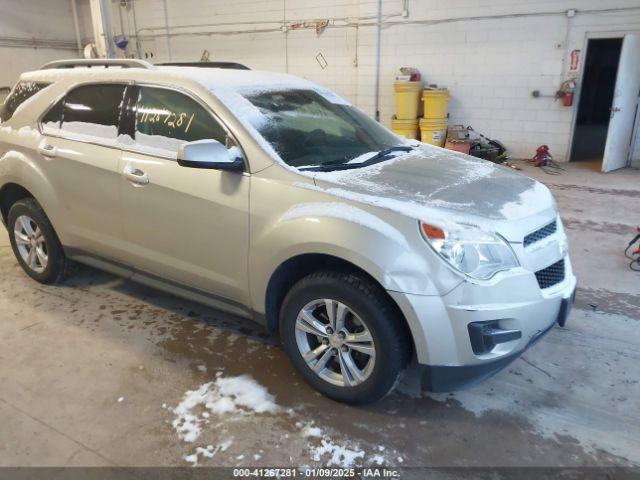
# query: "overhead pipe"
[135,28]
[101,21]
[42,43]
[166,27]
[76,27]
[378,59]
[357,22]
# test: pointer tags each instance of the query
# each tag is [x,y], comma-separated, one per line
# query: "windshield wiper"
[378,157]
[383,153]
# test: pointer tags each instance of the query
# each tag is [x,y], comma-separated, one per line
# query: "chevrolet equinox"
[273,198]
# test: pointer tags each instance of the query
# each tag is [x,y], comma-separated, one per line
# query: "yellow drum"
[407,99]
[433,131]
[436,103]
[406,128]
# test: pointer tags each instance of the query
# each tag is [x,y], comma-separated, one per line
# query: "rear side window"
[90,111]
[165,119]
[21,93]
[51,121]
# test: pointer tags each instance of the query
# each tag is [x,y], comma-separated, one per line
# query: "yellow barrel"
[407,99]
[436,103]
[433,131]
[406,128]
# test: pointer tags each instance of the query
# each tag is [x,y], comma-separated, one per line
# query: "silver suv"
[267,196]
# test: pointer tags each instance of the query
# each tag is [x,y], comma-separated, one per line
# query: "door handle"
[47,150]
[135,175]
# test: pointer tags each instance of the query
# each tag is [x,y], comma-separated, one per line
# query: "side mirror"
[209,154]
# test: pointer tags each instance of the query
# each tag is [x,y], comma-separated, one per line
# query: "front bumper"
[439,378]
[440,326]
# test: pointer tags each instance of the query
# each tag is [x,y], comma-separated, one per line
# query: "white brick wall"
[491,65]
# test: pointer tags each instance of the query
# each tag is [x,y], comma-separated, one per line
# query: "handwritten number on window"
[181,120]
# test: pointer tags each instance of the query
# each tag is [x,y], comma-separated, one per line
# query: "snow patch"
[22,132]
[241,107]
[234,395]
[310,431]
[209,452]
[26,132]
[237,397]
[338,455]
[522,206]
[87,131]
[405,207]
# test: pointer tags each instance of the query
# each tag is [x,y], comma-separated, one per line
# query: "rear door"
[186,225]
[81,155]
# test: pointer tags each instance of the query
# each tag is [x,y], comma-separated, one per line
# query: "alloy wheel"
[335,342]
[31,243]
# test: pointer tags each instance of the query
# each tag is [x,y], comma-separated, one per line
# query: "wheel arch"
[292,270]
[10,193]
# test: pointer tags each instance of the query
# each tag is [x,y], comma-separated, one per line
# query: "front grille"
[541,233]
[552,275]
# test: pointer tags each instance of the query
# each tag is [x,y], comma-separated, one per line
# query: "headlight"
[471,251]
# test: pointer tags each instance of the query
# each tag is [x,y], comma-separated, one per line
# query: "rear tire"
[351,334]
[35,243]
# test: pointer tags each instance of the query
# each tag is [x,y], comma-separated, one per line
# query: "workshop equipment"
[458,139]
[544,160]
[542,157]
[635,262]
[486,148]
[462,146]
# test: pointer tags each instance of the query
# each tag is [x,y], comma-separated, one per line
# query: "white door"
[623,107]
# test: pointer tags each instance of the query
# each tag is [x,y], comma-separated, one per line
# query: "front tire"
[344,336]
[35,243]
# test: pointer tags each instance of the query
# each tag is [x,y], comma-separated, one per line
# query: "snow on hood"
[434,183]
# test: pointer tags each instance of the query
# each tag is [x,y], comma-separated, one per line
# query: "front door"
[183,225]
[623,110]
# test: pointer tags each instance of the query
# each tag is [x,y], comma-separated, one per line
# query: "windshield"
[306,129]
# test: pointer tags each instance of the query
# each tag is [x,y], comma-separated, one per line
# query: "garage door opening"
[596,98]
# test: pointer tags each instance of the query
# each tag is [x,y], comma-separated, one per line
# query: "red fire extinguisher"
[567,99]
[566,92]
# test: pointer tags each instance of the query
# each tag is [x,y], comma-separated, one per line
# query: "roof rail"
[98,62]
[225,65]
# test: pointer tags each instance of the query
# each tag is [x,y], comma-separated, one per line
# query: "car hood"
[434,184]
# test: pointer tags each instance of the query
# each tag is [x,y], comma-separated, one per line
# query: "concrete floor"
[90,372]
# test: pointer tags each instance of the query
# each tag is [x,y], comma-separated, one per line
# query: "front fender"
[379,248]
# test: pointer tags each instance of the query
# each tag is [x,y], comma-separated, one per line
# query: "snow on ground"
[234,398]
[339,456]
[208,452]
[233,395]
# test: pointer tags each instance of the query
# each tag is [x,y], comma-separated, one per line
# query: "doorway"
[596,97]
